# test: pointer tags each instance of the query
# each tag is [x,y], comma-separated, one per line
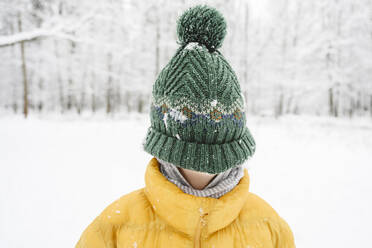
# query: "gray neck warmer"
[217,187]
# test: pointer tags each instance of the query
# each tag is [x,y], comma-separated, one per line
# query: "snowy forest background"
[291,56]
[82,73]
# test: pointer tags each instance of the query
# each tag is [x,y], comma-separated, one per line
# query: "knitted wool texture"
[221,184]
[197,109]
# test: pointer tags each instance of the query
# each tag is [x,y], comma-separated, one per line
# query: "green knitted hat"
[197,109]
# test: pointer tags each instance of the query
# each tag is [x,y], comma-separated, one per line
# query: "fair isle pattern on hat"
[197,110]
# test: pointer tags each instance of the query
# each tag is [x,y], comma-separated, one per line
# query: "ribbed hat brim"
[210,158]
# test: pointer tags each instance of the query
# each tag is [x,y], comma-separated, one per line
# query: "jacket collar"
[183,211]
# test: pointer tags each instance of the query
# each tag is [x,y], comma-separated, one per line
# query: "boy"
[196,192]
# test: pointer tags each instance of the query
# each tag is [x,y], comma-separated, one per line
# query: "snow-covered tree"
[291,56]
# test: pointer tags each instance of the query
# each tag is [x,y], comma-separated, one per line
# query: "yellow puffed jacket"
[161,215]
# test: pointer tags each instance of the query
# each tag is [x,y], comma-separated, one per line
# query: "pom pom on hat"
[197,107]
[202,24]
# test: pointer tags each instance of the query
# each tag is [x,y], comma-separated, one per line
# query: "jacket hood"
[183,211]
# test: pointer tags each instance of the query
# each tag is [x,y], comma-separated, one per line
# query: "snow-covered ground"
[57,175]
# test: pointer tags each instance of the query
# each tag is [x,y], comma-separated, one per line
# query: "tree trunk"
[279,108]
[140,103]
[93,97]
[336,101]
[14,85]
[289,104]
[24,70]
[109,85]
[157,46]
[59,78]
[245,44]
[330,101]
[71,99]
